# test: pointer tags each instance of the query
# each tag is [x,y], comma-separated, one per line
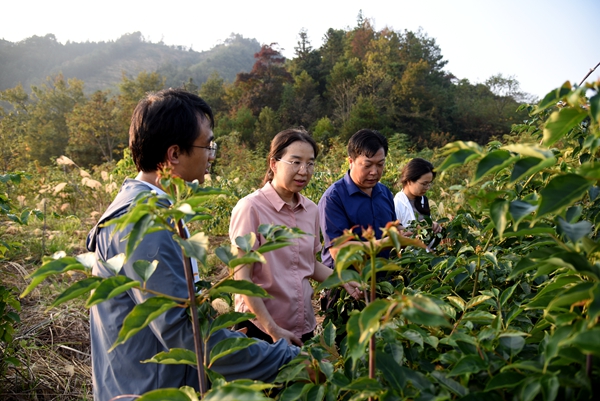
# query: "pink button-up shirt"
[285,275]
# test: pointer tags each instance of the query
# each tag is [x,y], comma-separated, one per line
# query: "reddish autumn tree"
[263,86]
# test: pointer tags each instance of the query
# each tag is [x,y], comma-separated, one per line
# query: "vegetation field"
[506,308]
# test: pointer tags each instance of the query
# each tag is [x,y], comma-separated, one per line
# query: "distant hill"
[101,64]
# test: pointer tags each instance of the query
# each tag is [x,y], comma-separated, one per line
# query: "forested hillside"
[392,81]
[101,65]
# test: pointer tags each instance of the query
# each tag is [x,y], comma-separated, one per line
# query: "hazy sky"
[542,43]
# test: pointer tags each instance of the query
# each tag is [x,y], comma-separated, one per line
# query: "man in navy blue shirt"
[358,199]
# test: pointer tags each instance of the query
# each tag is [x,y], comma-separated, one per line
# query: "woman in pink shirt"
[285,276]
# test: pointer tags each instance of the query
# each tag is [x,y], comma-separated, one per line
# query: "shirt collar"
[154,187]
[352,188]
[275,200]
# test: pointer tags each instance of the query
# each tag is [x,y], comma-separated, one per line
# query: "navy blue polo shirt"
[344,205]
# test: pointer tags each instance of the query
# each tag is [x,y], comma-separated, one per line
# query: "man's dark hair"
[162,119]
[366,142]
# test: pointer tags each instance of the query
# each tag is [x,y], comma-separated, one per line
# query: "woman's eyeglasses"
[297,165]
[426,184]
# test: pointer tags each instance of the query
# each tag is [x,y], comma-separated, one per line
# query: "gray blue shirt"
[121,371]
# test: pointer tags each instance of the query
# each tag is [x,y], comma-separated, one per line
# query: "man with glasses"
[169,129]
[358,200]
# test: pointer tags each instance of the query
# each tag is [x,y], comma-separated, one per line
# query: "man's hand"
[353,288]
[436,228]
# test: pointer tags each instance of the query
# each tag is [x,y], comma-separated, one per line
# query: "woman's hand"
[278,332]
[353,288]
[436,228]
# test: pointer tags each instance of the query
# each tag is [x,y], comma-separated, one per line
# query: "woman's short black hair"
[415,169]
[162,119]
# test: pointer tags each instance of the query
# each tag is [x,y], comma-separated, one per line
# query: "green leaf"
[526,150]
[87,259]
[595,108]
[229,346]
[479,317]
[493,162]
[386,364]
[561,122]
[224,253]
[362,384]
[247,259]
[190,392]
[271,246]
[469,364]
[553,97]
[576,294]
[536,230]
[234,393]
[524,265]
[356,349]
[246,242]
[347,256]
[294,392]
[513,344]
[530,389]
[145,268]
[164,394]
[507,294]
[550,386]
[574,231]
[413,336]
[194,247]
[336,280]
[528,166]
[175,356]
[499,213]
[451,385]
[458,158]
[594,306]
[79,288]
[423,310]
[368,322]
[137,233]
[229,319]
[562,191]
[551,349]
[243,287]
[457,302]
[316,392]
[477,300]
[141,316]
[55,266]
[519,210]
[293,371]
[109,288]
[505,380]
[114,264]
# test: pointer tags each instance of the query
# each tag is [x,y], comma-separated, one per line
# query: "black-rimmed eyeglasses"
[212,148]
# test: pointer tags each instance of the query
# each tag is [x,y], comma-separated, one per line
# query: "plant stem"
[478,269]
[372,339]
[198,344]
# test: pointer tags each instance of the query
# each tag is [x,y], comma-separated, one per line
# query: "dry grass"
[52,346]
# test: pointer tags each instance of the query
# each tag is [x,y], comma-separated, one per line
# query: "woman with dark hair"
[417,177]
[285,275]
